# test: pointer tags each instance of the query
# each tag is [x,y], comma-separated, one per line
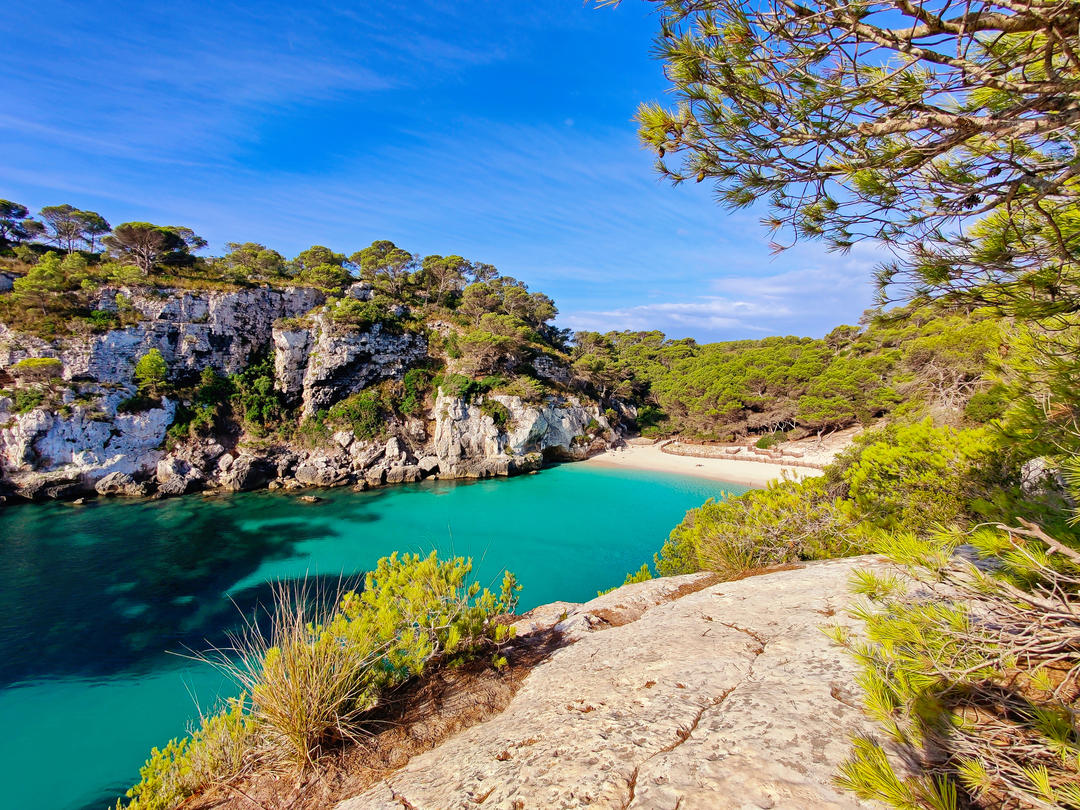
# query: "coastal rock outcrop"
[470,442]
[87,422]
[318,364]
[669,693]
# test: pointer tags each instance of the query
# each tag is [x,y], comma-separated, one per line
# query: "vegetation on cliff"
[950,135]
[313,680]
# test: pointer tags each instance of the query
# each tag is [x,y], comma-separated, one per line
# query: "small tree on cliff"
[151,373]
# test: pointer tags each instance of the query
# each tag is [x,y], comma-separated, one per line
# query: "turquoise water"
[96,600]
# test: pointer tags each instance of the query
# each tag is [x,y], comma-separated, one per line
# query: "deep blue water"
[96,600]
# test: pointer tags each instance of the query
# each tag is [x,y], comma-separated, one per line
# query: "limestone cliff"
[81,440]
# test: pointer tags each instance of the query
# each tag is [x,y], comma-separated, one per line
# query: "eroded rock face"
[191,329]
[84,434]
[89,443]
[468,442]
[726,697]
[318,364]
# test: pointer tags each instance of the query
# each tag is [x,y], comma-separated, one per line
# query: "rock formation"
[673,693]
[79,444]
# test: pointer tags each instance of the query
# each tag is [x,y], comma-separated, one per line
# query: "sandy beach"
[649,457]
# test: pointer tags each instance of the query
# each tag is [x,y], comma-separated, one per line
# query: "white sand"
[748,473]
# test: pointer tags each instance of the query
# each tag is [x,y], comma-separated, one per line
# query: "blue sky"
[501,131]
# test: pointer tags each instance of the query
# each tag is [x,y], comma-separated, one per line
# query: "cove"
[95,600]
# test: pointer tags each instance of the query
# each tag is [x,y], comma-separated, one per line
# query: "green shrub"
[312,679]
[102,320]
[202,417]
[415,384]
[360,314]
[217,748]
[26,399]
[915,476]
[150,373]
[971,671]
[985,406]
[498,412]
[460,386]
[770,440]
[38,368]
[258,402]
[362,413]
[787,522]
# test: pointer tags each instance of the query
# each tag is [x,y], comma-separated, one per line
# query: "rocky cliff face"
[82,440]
[673,693]
[319,364]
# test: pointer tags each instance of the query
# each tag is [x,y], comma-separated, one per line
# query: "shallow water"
[96,600]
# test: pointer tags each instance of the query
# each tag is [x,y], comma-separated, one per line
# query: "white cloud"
[807,301]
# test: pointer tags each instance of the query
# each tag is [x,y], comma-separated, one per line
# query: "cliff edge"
[673,693]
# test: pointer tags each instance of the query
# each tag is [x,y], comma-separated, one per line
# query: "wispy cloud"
[803,302]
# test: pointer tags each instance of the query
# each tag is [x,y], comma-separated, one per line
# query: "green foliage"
[361,413]
[206,409]
[498,412]
[38,368]
[255,397]
[360,314]
[459,386]
[985,406]
[321,267]
[787,522]
[717,390]
[770,439]
[185,766]
[415,384]
[151,373]
[26,399]
[916,476]
[250,261]
[959,659]
[904,143]
[324,665]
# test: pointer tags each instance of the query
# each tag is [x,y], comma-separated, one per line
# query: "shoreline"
[733,471]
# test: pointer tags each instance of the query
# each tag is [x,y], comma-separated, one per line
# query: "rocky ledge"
[674,693]
[86,441]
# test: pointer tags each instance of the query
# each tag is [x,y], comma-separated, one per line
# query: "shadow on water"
[109,587]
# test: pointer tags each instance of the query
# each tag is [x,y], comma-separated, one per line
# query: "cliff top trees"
[893,120]
[386,266]
[67,226]
[15,227]
[250,260]
[320,267]
[145,244]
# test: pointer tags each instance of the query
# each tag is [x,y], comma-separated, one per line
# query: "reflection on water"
[93,598]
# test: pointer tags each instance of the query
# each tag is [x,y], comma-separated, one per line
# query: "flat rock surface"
[675,694]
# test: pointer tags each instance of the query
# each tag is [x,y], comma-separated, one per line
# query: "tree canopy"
[902,122]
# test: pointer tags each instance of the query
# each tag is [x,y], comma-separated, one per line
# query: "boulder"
[179,485]
[246,473]
[320,472]
[428,464]
[172,467]
[119,483]
[404,474]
